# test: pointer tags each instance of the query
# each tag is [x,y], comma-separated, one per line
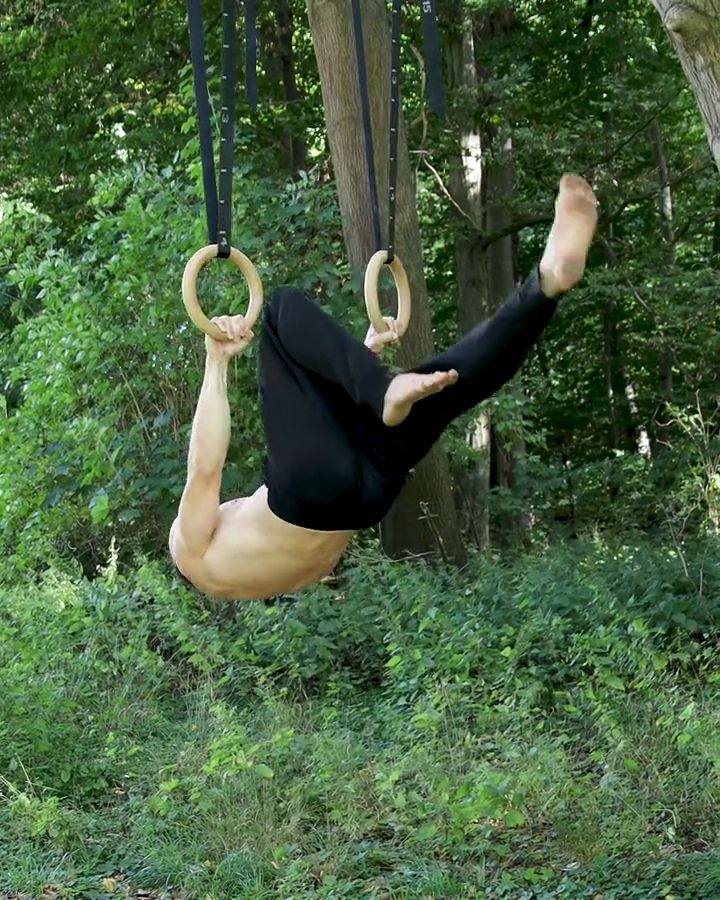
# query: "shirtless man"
[342,433]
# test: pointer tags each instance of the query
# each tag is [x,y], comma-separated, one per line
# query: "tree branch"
[696,167]
[603,161]
[446,191]
[528,221]
[518,225]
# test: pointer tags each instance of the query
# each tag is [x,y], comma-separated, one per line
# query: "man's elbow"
[184,571]
[186,567]
[204,470]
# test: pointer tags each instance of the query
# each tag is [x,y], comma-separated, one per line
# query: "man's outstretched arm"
[197,519]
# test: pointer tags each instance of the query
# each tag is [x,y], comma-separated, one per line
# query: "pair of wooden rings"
[243,263]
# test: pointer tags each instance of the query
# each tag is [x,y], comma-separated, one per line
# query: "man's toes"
[448,378]
[439,381]
[568,180]
[575,183]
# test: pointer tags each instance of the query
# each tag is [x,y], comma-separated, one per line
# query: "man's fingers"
[387,337]
[233,327]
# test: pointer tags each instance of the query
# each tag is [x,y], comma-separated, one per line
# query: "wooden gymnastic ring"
[189,289]
[372,304]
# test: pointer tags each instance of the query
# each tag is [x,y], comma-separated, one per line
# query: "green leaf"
[169,786]
[99,507]
[426,832]
[513,818]
[614,682]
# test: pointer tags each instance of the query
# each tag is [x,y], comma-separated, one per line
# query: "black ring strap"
[366,120]
[433,62]
[218,205]
[394,124]
[434,77]
[251,82]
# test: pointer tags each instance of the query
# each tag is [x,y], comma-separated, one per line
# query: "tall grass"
[544,729]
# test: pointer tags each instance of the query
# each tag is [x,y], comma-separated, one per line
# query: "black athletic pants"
[332,465]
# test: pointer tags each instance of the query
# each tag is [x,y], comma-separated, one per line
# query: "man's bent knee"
[280,300]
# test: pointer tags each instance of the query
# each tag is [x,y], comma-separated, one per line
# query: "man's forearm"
[210,435]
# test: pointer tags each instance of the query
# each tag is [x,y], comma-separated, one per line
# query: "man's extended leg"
[492,352]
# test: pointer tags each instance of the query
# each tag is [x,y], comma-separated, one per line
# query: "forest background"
[528,708]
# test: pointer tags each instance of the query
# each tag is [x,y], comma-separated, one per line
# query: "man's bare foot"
[408,388]
[563,261]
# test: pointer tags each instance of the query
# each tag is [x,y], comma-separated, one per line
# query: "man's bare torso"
[253,554]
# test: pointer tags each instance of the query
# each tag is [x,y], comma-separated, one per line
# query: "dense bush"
[557,712]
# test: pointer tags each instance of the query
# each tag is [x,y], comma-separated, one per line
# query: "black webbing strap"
[251,84]
[394,124]
[227,111]
[366,120]
[433,62]
[219,211]
[202,99]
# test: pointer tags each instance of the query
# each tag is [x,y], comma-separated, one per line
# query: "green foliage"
[573,94]
[102,369]
[503,732]
[84,84]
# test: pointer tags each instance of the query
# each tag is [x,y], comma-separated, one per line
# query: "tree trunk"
[609,356]
[507,445]
[466,185]
[618,379]
[716,233]
[296,147]
[695,35]
[482,186]
[643,438]
[424,518]
[665,204]
[667,229]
